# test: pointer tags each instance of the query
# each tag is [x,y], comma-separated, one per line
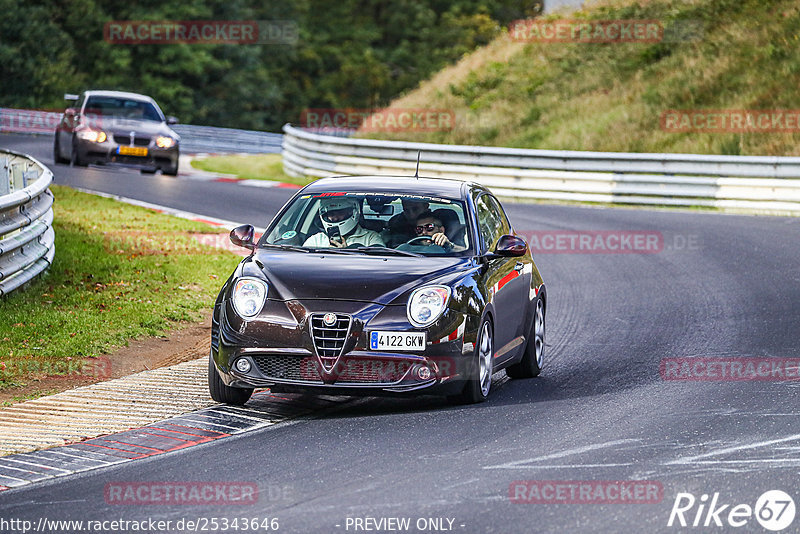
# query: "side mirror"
[511,245]
[242,236]
[172,120]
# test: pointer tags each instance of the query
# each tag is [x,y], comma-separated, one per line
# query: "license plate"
[387,340]
[131,151]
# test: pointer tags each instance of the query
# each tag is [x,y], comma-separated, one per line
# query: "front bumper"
[281,350]
[162,159]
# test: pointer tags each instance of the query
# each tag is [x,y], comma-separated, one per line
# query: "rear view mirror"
[386,210]
[242,236]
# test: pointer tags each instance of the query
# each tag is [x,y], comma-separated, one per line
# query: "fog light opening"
[242,365]
[423,372]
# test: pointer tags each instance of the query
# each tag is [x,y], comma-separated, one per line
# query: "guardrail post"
[4,180]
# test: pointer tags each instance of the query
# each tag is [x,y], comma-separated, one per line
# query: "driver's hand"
[339,243]
[440,239]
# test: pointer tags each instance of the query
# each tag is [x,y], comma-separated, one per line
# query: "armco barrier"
[759,183]
[26,220]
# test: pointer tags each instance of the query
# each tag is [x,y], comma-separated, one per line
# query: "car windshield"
[126,108]
[392,224]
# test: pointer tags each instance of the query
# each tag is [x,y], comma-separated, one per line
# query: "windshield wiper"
[287,247]
[384,250]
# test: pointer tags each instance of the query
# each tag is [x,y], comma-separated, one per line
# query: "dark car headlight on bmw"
[427,304]
[249,295]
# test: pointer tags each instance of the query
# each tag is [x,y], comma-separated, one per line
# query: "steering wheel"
[419,241]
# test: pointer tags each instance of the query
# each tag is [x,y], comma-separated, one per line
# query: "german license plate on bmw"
[386,340]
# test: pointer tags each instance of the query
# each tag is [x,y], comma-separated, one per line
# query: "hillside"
[714,55]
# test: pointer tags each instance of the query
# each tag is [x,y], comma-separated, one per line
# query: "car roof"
[119,94]
[443,187]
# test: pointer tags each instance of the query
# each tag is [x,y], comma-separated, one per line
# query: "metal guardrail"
[194,139]
[759,183]
[27,239]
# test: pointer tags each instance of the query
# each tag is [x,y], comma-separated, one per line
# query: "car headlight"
[427,304]
[163,141]
[95,136]
[249,295]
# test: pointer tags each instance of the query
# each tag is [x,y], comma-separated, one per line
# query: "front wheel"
[533,358]
[222,393]
[479,381]
[76,158]
[171,171]
[57,157]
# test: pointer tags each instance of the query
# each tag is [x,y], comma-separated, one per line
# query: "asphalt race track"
[719,286]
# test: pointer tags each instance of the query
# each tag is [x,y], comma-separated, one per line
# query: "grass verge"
[120,272]
[250,167]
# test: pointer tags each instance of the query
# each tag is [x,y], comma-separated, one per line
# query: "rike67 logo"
[774,510]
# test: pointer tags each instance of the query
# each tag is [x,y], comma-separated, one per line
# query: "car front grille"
[349,370]
[126,140]
[329,340]
[288,367]
[372,371]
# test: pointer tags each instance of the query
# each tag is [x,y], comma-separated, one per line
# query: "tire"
[479,383]
[57,158]
[222,393]
[171,171]
[76,160]
[533,358]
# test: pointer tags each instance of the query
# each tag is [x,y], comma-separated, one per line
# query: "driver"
[340,218]
[428,225]
[401,226]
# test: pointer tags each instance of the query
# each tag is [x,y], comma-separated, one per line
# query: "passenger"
[401,226]
[431,226]
[340,218]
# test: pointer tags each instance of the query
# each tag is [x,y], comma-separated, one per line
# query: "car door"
[505,280]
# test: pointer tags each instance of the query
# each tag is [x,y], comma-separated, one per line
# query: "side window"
[492,222]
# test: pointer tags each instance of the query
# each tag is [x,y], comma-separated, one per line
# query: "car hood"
[120,126]
[379,279]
